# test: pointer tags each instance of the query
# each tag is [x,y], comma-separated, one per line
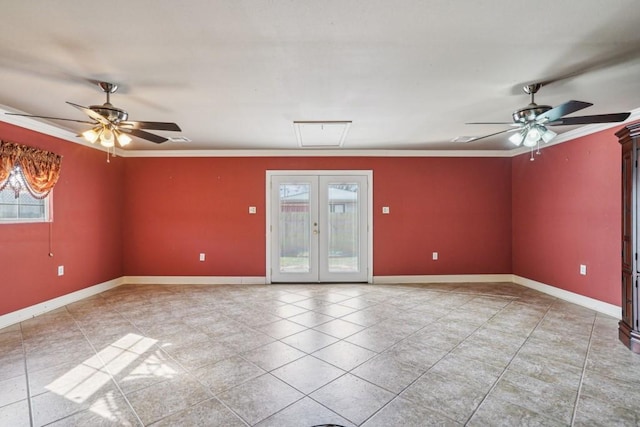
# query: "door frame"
[367,173]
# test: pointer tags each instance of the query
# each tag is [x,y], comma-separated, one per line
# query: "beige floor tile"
[274,355]
[15,415]
[401,412]
[344,355]
[482,353]
[205,414]
[310,319]
[163,399]
[13,390]
[305,412]
[335,310]
[260,397]
[451,396]
[538,396]
[339,328]
[309,340]
[307,374]
[496,412]
[388,372]
[282,328]
[227,374]
[353,398]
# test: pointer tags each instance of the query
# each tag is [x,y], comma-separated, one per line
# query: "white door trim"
[367,173]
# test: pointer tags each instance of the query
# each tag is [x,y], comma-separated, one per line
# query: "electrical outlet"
[202,257]
[583,269]
[385,210]
[252,210]
[61,270]
[434,256]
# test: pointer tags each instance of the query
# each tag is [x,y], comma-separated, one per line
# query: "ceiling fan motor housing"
[111,113]
[529,113]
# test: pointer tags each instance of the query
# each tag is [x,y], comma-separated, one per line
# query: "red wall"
[86,231]
[566,212]
[153,216]
[176,208]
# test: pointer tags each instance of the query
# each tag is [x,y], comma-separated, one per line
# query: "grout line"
[443,357]
[509,299]
[504,371]
[584,369]
[26,376]
[104,365]
[190,374]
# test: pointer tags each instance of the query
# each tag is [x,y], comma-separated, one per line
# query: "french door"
[318,227]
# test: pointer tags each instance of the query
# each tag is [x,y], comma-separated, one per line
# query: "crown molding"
[318,153]
[55,131]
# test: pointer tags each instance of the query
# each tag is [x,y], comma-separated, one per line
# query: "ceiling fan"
[531,122]
[110,124]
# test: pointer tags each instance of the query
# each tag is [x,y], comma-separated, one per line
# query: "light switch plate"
[385,210]
[202,257]
[252,209]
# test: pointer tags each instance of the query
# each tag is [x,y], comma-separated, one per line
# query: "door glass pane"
[343,228]
[294,228]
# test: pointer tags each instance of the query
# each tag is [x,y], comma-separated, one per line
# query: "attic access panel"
[321,134]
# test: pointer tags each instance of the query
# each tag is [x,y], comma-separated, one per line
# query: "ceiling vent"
[179,139]
[317,134]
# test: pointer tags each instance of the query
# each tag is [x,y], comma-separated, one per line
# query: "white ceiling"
[236,74]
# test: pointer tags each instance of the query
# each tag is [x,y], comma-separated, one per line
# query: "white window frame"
[48,210]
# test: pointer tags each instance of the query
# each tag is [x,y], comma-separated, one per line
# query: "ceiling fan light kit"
[106,136]
[532,135]
[110,124]
[532,122]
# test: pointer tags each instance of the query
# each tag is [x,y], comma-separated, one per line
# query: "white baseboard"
[41,308]
[194,280]
[594,304]
[453,278]
[52,304]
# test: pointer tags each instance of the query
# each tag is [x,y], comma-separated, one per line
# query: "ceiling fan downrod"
[108,88]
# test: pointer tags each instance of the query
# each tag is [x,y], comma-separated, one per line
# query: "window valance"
[40,169]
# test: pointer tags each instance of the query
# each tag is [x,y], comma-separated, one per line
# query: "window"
[18,205]
[337,208]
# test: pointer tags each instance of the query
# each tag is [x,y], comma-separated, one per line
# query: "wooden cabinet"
[629,326]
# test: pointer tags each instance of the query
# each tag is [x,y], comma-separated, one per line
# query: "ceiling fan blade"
[611,58]
[89,112]
[50,118]
[145,135]
[493,134]
[150,125]
[492,123]
[585,120]
[562,110]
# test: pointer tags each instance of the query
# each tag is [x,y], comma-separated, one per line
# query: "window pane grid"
[24,207]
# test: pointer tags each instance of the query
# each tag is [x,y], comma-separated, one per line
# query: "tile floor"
[301,355]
